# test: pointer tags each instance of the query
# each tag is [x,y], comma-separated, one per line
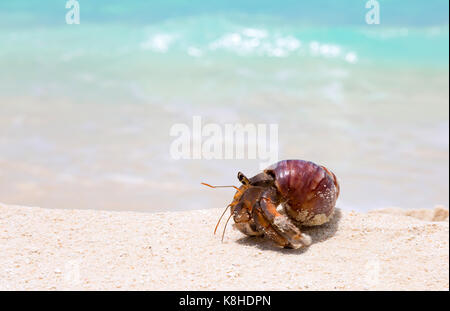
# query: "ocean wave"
[246,42]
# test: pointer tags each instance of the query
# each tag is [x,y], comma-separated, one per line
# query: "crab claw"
[282,226]
[292,233]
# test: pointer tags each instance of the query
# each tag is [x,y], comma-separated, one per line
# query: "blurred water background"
[85,110]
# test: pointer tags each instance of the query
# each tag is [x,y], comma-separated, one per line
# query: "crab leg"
[264,226]
[281,223]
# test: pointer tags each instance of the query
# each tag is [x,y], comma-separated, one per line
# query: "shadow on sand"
[318,234]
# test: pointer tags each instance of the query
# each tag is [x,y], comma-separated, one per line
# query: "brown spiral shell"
[309,191]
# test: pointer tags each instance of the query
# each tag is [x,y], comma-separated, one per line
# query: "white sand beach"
[57,249]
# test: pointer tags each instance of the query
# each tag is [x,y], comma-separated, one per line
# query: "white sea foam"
[351,57]
[195,52]
[159,42]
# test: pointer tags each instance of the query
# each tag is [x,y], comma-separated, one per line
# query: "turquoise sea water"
[85,110]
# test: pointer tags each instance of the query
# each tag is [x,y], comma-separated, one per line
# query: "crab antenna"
[223,234]
[218,222]
[205,184]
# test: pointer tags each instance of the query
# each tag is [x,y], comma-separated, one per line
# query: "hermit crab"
[307,193]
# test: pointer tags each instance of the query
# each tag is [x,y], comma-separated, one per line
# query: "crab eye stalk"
[244,180]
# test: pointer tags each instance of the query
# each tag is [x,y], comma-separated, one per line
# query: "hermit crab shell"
[309,191]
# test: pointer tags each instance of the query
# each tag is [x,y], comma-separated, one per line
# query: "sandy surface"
[95,250]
